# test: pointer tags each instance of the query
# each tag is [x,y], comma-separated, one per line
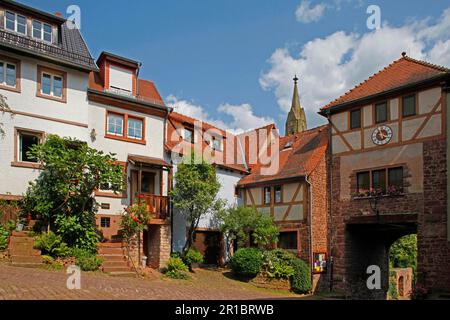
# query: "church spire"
[296,121]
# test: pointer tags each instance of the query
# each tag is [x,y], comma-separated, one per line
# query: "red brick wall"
[430,207]
[434,249]
[114,228]
[318,180]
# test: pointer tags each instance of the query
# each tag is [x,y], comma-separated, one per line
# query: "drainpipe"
[330,195]
[137,78]
[311,253]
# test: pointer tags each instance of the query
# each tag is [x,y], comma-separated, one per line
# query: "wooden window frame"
[416,105]
[386,102]
[108,224]
[42,38]
[275,194]
[350,119]
[192,140]
[23,164]
[386,169]
[15,23]
[53,72]
[264,195]
[297,239]
[124,136]
[17,64]
[299,244]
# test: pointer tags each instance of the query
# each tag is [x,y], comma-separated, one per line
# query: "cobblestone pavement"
[40,284]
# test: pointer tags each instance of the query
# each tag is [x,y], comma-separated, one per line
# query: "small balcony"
[157,206]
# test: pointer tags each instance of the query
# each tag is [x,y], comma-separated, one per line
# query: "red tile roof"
[308,149]
[246,145]
[174,139]
[402,72]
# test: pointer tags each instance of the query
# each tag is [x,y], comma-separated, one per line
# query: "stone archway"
[367,243]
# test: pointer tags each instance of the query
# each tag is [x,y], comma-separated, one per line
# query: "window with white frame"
[115,124]
[42,31]
[52,85]
[15,22]
[8,74]
[135,128]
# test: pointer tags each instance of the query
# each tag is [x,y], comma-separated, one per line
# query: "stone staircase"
[21,250]
[115,260]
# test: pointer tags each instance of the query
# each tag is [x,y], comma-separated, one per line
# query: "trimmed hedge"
[301,280]
[247,262]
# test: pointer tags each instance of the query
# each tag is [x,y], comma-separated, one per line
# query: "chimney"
[58,14]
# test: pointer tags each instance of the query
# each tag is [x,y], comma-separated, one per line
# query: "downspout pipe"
[330,201]
[311,253]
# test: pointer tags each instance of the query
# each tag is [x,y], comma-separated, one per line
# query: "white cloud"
[307,13]
[242,116]
[330,66]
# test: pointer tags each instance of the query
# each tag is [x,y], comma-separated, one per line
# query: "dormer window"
[15,22]
[121,80]
[42,31]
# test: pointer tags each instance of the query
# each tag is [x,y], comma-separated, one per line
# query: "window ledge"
[120,138]
[382,196]
[29,165]
[45,96]
[106,194]
[13,89]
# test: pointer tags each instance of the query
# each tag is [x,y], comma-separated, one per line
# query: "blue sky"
[232,62]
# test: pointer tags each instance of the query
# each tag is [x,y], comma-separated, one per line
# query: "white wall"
[15,180]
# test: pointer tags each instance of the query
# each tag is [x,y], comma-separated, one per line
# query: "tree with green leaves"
[242,223]
[403,253]
[4,108]
[64,193]
[195,193]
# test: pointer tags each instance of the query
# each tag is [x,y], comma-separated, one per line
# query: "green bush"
[51,263]
[191,257]
[278,264]
[86,260]
[301,280]
[176,269]
[4,235]
[52,245]
[247,262]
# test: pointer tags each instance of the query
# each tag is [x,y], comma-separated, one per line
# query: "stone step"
[25,240]
[113,264]
[24,252]
[116,269]
[106,251]
[21,234]
[25,259]
[113,257]
[110,245]
[26,265]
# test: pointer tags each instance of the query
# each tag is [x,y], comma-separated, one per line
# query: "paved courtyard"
[40,284]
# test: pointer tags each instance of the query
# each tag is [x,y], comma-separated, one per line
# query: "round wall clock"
[382,135]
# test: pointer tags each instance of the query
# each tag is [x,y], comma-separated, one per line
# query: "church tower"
[296,121]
